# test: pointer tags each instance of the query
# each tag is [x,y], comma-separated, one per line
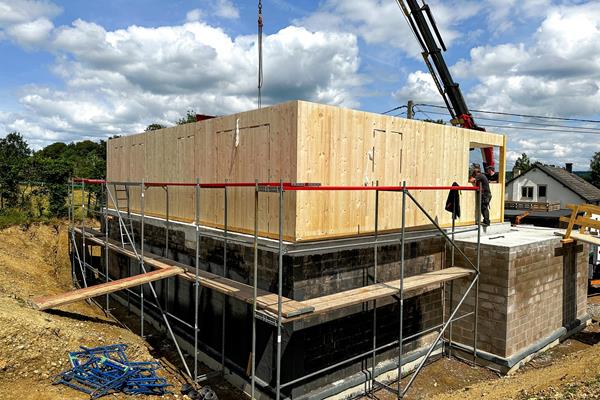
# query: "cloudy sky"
[91,69]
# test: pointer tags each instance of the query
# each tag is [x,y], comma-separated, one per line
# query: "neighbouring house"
[540,195]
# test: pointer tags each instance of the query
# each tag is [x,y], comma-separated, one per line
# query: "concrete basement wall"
[531,287]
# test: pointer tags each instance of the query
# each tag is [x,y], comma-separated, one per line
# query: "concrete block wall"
[526,293]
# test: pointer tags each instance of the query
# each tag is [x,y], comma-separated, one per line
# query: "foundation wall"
[527,292]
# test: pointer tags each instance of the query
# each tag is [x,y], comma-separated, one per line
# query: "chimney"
[569,167]
[516,172]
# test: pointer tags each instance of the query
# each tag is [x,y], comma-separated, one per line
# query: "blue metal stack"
[102,370]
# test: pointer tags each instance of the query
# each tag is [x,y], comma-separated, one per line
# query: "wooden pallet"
[52,301]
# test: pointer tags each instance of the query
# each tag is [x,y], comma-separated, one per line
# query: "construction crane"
[423,25]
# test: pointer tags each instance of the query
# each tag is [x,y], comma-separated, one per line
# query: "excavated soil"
[34,261]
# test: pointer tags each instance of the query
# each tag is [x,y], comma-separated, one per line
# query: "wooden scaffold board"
[291,309]
[51,301]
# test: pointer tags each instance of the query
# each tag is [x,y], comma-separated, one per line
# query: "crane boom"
[424,27]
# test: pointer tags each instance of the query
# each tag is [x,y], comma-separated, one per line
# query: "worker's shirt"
[484,184]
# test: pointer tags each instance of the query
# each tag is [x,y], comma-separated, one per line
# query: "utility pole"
[409,110]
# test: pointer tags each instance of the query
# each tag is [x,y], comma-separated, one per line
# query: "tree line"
[36,182]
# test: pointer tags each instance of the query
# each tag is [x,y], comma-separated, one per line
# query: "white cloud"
[13,12]
[193,15]
[556,73]
[226,9]
[31,33]
[420,87]
[27,21]
[117,82]
[382,22]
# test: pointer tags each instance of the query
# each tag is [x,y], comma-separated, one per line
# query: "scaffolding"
[264,306]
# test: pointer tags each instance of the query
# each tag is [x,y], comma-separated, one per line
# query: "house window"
[527,192]
[542,191]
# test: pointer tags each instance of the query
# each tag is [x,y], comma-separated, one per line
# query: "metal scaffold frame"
[101,210]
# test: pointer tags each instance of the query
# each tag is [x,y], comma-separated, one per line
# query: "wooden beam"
[51,301]
[574,211]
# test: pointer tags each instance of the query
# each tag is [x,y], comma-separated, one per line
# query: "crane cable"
[260,51]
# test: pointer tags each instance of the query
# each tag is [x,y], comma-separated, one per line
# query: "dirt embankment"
[34,344]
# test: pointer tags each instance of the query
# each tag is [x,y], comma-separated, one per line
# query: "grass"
[12,216]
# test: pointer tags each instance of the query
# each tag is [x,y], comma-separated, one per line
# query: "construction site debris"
[103,370]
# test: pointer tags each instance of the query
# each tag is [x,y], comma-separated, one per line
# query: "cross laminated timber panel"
[300,141]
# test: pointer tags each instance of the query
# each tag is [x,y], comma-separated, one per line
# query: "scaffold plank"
[379,290]
[291,309]
[265,300]
[51,301]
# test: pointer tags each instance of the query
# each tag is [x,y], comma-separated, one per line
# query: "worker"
[480,180]
[490,174]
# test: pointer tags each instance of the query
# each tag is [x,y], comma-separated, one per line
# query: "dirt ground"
[570,370]
[34,345]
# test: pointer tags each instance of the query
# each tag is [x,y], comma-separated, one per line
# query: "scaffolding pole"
[254,293]
[105,214]
[375,248]
[401,291]
[196,278]
[279,293]
[141,259]
[225,297]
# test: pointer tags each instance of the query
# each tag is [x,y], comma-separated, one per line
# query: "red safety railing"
[287,186]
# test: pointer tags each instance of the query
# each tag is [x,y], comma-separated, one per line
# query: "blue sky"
[73,70]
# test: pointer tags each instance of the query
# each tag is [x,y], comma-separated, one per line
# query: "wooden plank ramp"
[51,301]
[380,290]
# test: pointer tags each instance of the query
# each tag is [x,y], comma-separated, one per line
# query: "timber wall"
[304,142]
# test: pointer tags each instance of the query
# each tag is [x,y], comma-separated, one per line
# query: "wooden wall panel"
[304,142]
[265,150]
[346,147]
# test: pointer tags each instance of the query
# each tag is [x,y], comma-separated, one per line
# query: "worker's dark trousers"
[485,208]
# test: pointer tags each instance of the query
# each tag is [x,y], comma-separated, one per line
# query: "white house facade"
[544,183]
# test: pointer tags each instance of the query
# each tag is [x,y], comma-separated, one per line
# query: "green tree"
[14,152]
[54,173]
[595,167]
[190,116]
[155,127]
[522,163]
